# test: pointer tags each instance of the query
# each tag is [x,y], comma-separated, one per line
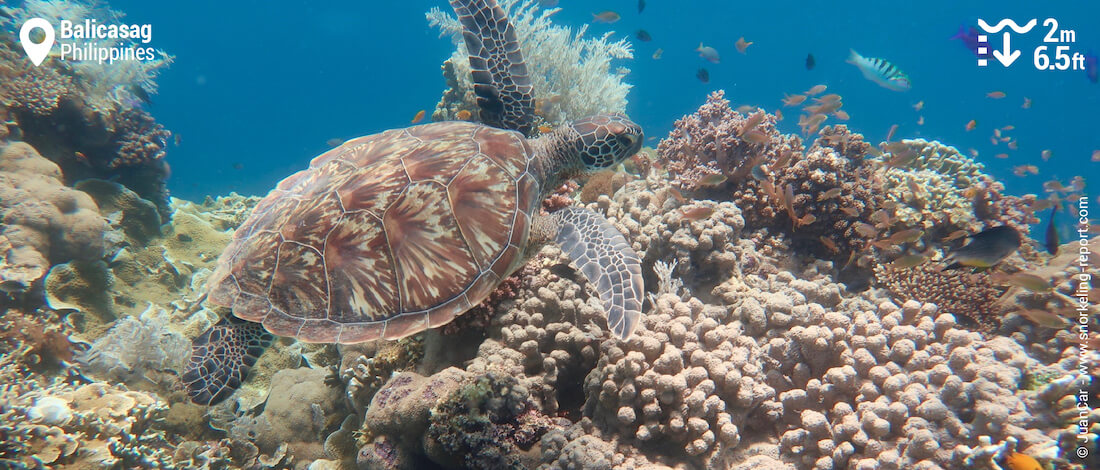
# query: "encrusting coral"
[571,73]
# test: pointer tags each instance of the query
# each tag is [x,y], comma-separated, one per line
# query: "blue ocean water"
[259,87]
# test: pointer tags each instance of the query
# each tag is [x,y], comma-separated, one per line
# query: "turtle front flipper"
[607,261]
[221,358]
[501,83]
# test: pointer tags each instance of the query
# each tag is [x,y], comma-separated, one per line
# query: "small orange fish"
[1001,155]
[543,129]
[1017,461]
[829,243]
[955,235]
[697,212]
[742,44]
[756,137]
[890,134]
[920,120]
[1008,127]
[752,122]
[993,140]
[830,98]
[419,116]
[908,261]
[1023,170]
[1027,103]
[919,106]
[816,90]
[778,115]
[657,54]
[907,236]
[463,115]
[864,229]
[995,95]
[974,153]
[806,220]
[607,17]
[80,157]
[841,114]
[850,211]
[677,195]
[1046,154]
[1013,145]
[793,100]
[829,194]
[712,180]
[1030,282]
[971,125]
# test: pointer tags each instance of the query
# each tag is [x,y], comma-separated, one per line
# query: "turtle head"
[604,140]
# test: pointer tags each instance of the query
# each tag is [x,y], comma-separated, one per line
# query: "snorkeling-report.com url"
[1081,324]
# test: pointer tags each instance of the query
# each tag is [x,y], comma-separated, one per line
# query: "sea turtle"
[393,233]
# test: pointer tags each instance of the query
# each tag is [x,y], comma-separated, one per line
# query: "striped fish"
[880,71]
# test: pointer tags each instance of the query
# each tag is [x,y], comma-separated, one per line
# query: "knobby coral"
[44,222]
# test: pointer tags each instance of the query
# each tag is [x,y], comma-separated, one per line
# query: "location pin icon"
[36,52]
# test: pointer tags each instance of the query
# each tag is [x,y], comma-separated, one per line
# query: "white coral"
[571,74]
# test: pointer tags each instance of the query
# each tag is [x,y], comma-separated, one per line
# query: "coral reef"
[753,359]
[44,222]
[87,116]
[571,73]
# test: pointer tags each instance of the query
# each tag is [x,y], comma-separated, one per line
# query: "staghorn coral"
[571,74]
[711,142]
[44,222]
[970,295]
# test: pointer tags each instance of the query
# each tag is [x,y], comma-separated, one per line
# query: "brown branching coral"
[971,296]
[38,341]
[832,184]
[37,90]
[718,140]
[140,139]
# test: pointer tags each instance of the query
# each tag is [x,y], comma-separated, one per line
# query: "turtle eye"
[627,140]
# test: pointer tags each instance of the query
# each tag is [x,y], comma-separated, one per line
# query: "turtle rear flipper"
[501,83]
[221,358]
[607,261]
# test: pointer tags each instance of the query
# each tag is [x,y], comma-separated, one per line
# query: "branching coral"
[972,296]
[571,74]
[716,140]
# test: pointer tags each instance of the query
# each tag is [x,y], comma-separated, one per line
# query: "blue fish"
[880,71]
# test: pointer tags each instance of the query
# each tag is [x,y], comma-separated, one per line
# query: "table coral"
[44,222]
